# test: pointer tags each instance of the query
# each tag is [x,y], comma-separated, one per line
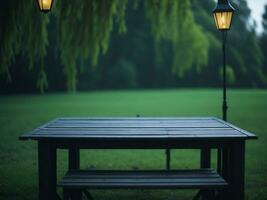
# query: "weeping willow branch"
[42,83]
[173,21]
[84,29]
[23,31]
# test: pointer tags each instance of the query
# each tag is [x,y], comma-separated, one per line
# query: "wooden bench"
[81,180]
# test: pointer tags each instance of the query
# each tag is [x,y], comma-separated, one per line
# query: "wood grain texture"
[156,179]
[137,128]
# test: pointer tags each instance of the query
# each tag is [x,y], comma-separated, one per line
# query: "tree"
[174,21]
[23,31]
[247,63]
[84,29]
[263,40]
[244,55]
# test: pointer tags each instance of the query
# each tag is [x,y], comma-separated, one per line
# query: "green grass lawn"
[19,114]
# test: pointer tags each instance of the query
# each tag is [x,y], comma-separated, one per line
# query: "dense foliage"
[244,56]
[263,40]
[84,29]
[173,21]
[23,31]
[125,44]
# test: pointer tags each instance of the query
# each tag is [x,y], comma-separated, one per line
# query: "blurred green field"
[19,114]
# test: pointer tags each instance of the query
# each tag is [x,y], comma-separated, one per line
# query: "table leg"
[205,162]
[74,158]
[219,160]
[237,170]
[205,158]
[47,171]
[168,159]
[74,163]
[223,164]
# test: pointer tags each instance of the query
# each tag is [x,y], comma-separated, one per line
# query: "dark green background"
[133,61]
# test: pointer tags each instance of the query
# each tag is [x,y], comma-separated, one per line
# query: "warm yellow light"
[223,20]
[45,5]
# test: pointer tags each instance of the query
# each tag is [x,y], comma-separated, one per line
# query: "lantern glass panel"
[223,20]
[45,5]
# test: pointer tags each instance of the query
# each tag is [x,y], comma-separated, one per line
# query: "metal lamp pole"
[223,14]
[224,106]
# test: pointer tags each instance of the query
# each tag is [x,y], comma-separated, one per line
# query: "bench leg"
[71,194]
[237,171]
[205,155]
[74,158]
[208,195]
[47,171]
[88,195]
[220,194]
[205,195]
[168,159]
[74,163]
[205,162]
[66,195]
[197,196]
[219,160]
[225,167]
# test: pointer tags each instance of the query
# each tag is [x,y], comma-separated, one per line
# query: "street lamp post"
[224,105]
[223,14]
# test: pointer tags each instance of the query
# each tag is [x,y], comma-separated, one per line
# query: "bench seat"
[156,179]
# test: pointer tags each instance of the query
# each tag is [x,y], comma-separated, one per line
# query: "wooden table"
[139,133]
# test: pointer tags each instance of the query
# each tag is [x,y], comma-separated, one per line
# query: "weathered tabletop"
[138,128]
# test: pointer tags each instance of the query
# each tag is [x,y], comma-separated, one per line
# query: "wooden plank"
[154,128]
[132,133]
[141,173]
[137,131]
[134,174]
[150,186]
[136,125]
[135,118]
[140,138]
[117,172]
[128,126]
[140,119]
[140,129]
[169,174]
[137,176]
[248,134]
[139,122]
[159,172]
[143,179]
[136,122]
